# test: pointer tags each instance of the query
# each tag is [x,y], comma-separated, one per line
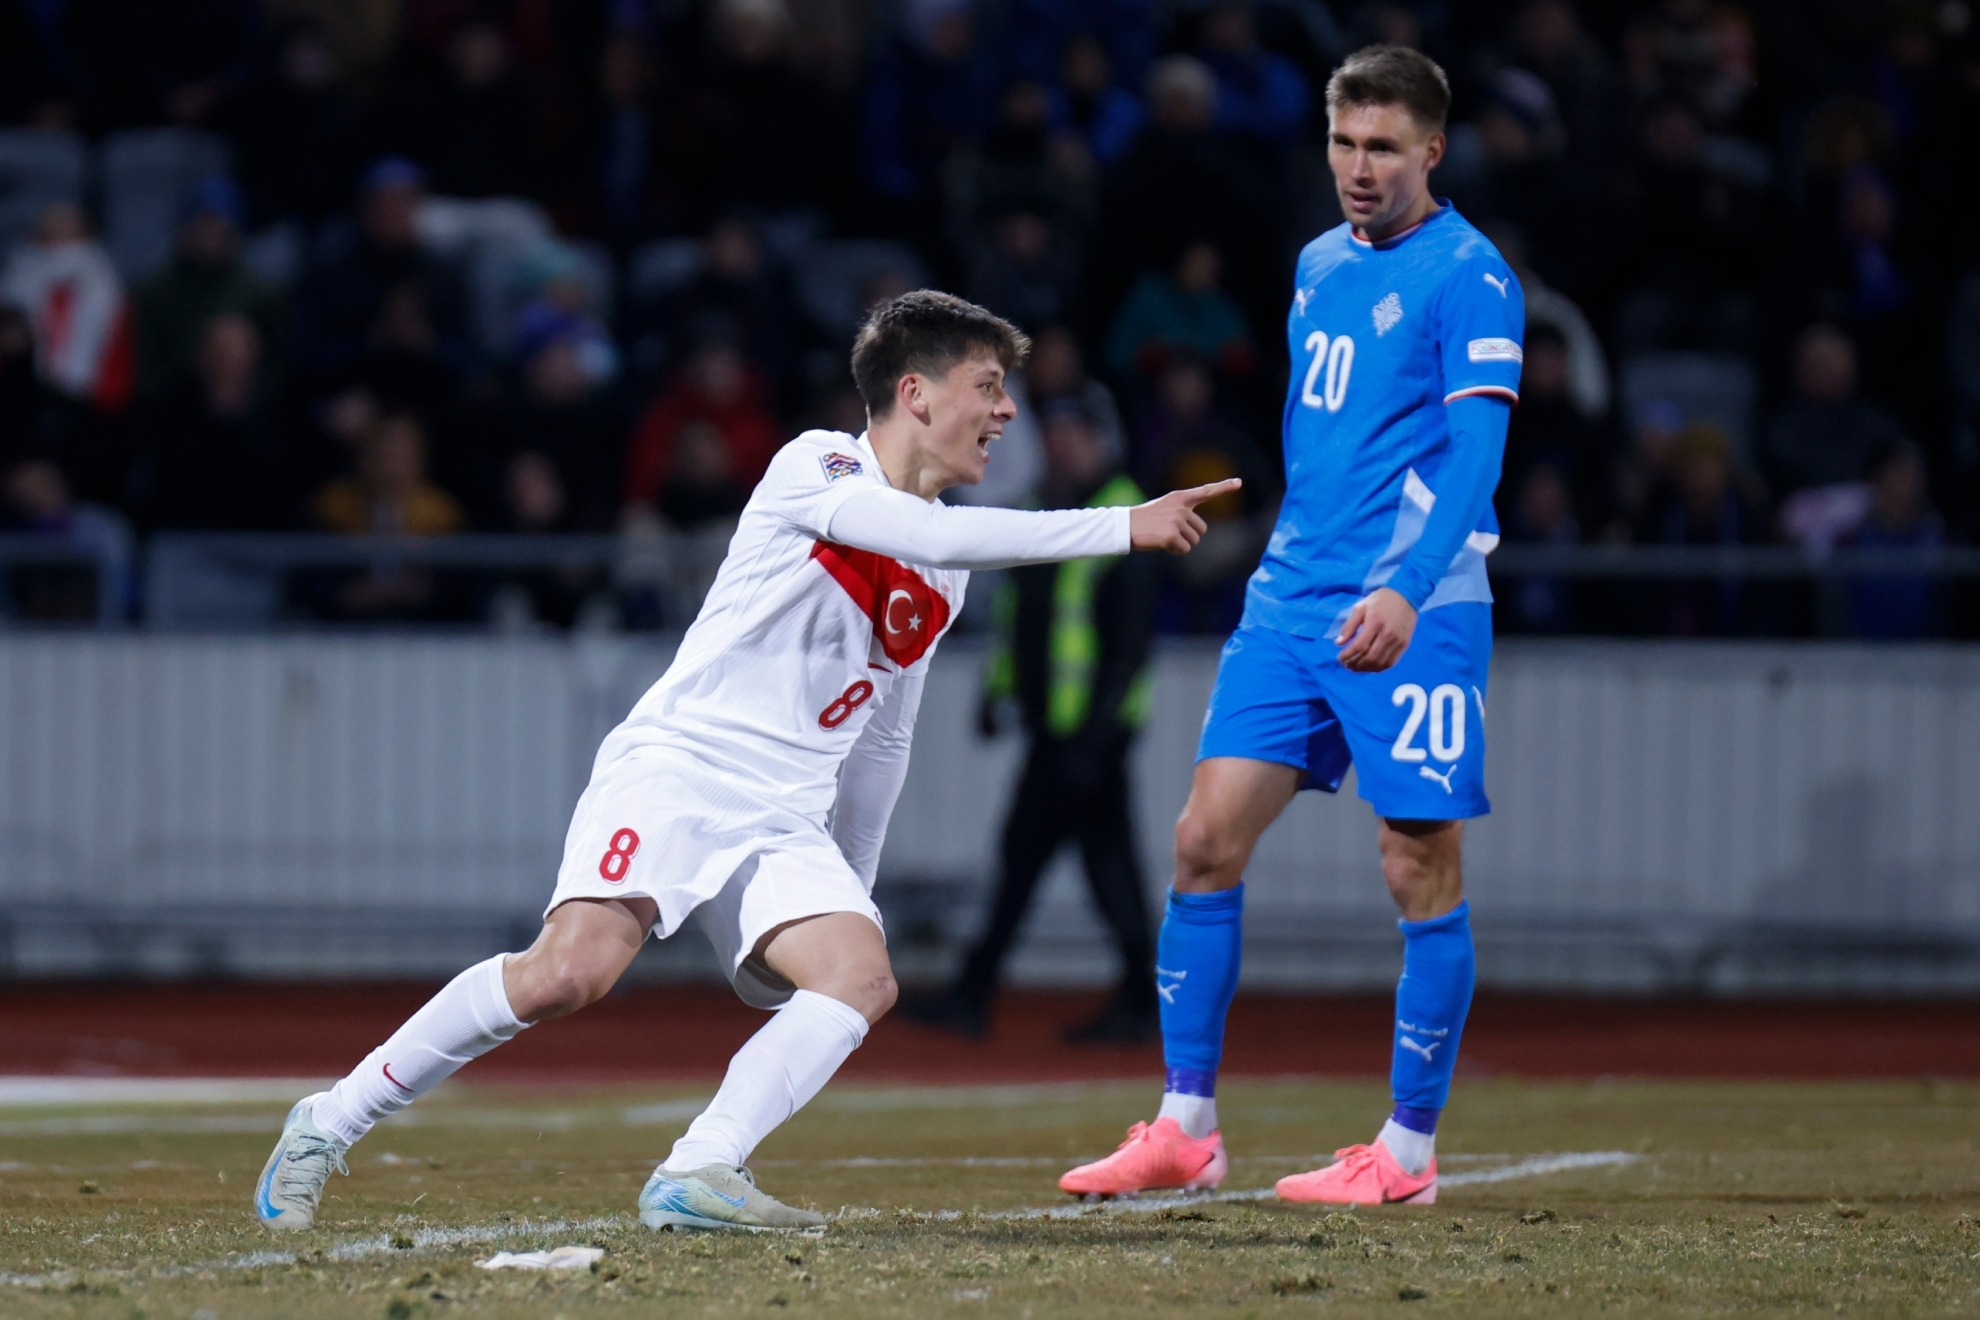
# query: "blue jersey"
[1385,338]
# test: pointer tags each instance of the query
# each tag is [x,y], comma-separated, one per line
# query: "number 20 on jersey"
[1326,382]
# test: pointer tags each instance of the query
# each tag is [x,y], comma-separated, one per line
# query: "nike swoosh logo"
[262,1205]
[735,1201]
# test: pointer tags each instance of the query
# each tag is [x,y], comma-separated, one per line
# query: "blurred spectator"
[1697,212]
[1185,425]
[535,504]
[1542,514]
[1025,272]
[390,494]
[701,486]
[41,423]
[623,186]
[1188,442]
[1506,163]
[930,91]
[210,454]
[752,127]
[562,413]
[1548,430]
[297,131]
[205,279]
[717,386]
[1260,93]
[1708,500]
[1056,372]
[1182,310]
[1088,101]
[1021,167]
[1177,185]
[377,287]
[38,500]
[472,126]
[743,290]
[1827,434]
[1901,517]
[75,301]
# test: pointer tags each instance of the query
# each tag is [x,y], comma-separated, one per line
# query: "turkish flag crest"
[907,613]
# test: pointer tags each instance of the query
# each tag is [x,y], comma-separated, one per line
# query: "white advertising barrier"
[1700,816]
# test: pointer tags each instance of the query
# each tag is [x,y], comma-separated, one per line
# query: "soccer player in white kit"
[751,786]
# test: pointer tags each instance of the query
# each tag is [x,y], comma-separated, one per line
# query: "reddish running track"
[688,1032]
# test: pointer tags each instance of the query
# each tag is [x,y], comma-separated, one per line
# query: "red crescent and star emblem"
[908,614]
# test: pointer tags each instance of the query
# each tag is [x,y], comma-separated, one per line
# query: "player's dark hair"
[1392,75]
[926,333]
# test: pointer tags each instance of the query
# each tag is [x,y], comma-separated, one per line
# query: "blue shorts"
[1415,733]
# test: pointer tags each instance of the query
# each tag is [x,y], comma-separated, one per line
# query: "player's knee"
[879,992]
[1207,855]
[557,986]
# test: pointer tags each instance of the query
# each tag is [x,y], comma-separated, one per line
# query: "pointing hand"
[1172,522]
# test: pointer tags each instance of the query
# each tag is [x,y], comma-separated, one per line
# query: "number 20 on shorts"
[1444,704]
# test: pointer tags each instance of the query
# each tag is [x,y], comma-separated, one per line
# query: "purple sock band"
[1416,1120]
[1194,1081]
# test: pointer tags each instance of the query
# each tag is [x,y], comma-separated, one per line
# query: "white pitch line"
[475,1234]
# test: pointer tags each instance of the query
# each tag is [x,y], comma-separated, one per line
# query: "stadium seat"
[37,169]
[144,173]
[1705,387]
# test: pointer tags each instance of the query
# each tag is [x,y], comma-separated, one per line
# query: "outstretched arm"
[871,778]
[895,523]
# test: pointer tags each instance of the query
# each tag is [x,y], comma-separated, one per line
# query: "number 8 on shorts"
[612,867]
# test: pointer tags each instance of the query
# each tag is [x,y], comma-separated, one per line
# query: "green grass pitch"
[1743,1198]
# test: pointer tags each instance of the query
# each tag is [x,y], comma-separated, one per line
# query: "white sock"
[1413,1150]
[773,1075]
[1196,1114]
[469,1017]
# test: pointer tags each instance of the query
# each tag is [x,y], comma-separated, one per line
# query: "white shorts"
[657,826]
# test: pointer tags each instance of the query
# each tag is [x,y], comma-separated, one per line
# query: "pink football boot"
[1362,1175]
[1154,1155]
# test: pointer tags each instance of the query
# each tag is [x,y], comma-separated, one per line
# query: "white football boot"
[717,1197]
[292,1182]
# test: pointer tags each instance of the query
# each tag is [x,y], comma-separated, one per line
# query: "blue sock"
[1431,1001]
[1196,974]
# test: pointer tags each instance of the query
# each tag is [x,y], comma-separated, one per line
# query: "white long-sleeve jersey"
[797,686]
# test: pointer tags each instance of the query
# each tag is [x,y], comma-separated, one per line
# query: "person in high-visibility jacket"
[1072,653]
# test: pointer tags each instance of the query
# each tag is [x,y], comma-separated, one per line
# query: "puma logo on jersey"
[1445,779]
[1497,283]
[908,614]
[1388,314]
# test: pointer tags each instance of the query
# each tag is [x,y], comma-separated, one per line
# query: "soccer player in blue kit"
[1366,633]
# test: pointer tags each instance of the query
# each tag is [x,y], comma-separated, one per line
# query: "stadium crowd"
[431,266]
